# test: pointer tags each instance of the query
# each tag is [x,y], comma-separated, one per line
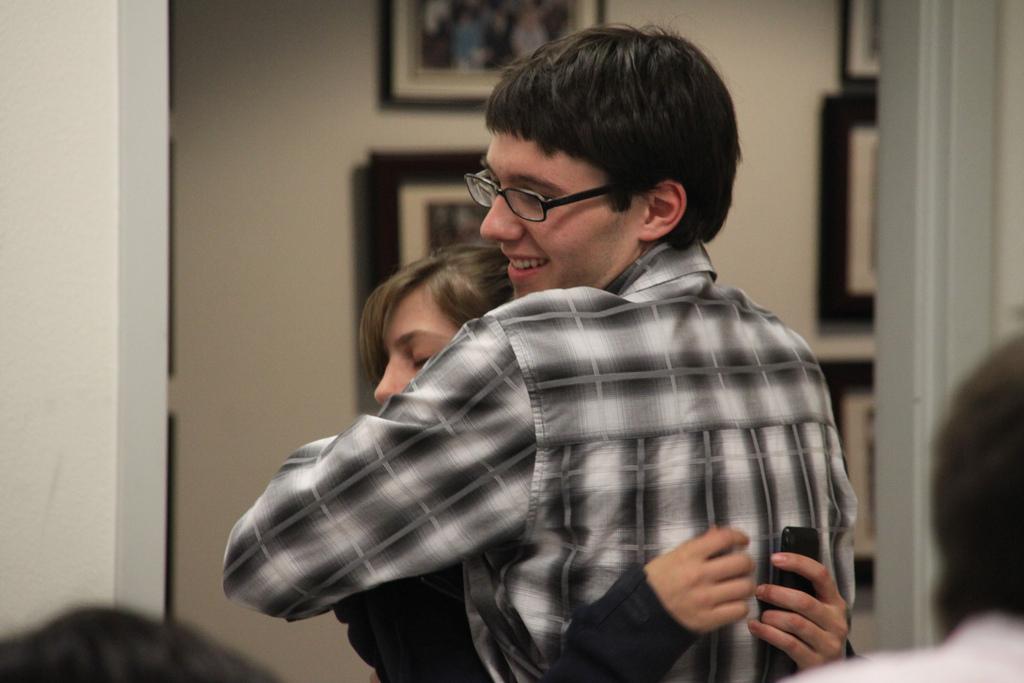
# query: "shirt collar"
[660,263]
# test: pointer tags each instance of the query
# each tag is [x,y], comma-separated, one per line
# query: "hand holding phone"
[806,636]
[800,540]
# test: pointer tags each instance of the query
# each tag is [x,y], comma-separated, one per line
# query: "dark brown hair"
[643,105]
[106,645]
[464,280]
[977,487]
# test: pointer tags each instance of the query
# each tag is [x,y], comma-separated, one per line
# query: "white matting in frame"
[414,214]
[861,280]
[860,61]
[858,419]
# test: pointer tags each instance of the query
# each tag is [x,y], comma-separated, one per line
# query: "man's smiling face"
[586,243]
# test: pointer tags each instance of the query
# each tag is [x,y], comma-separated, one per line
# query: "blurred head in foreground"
[104,645]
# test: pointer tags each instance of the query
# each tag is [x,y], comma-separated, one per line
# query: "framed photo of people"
[449,52]
[851,385]
[849,159]
[419,202]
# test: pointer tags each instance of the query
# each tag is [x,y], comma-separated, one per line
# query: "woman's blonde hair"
[465,280]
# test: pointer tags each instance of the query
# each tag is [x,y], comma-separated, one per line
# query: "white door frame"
[141,519]
[935,236]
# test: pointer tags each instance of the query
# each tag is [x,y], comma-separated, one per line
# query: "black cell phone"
[801,540]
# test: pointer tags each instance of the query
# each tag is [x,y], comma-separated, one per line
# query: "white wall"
[58,305]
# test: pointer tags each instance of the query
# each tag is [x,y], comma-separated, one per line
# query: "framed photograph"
[860,41]
[449,52]
[849,163]
[851,386]
[419,202]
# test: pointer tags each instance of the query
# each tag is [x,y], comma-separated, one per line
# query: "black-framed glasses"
[528,205]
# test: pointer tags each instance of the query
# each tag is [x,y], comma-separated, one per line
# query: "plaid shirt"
[551,445]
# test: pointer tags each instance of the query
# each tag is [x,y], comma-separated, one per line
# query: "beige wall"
[275,111]
[58,306]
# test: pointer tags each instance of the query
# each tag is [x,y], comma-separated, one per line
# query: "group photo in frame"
[449,52]
[851,388]
[419,202]
[849,176]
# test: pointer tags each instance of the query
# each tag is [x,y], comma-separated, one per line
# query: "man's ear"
[666,204]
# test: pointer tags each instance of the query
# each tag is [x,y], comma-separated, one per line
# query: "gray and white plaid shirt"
[553,443]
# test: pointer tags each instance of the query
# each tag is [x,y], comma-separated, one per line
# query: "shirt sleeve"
[441,473]
[626,636]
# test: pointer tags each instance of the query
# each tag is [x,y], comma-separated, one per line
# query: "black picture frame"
[860,43]
[851,388]
[848,209]
[390,172]
[407,81]
[171,220]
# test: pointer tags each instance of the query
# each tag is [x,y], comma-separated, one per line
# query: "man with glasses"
[623,403]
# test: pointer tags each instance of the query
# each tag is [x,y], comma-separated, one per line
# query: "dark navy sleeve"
[414,630]
[627,636]
[353,611]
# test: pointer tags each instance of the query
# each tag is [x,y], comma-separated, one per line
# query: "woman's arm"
[648,619]
[638,630]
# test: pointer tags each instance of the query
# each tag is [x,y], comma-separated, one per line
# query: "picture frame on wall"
[851,388]
[450,52]
[419,202]
[860,42]
[849,175]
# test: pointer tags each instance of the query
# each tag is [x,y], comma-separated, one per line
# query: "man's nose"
[500,224]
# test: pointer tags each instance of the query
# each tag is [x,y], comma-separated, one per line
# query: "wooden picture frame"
[851,387]
[848,208]
[860,42]
[409,190]
[450,52]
